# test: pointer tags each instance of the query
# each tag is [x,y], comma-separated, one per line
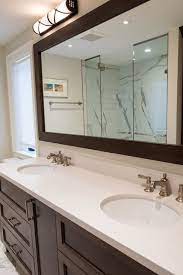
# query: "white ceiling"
[17,15]
[152,19]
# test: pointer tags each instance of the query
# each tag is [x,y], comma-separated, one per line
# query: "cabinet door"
[46,235]
[67,267]
[15,223]
[18,215]
[17,251]
[84,249]
[14,197]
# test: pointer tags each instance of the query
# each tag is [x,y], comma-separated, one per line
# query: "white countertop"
[77,194]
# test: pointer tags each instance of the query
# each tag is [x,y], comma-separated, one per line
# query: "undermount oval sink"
[139,211]
[35,169]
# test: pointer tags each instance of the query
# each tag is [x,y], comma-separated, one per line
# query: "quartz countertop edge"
[49,193]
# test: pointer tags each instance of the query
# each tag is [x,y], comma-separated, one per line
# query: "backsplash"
[118,166]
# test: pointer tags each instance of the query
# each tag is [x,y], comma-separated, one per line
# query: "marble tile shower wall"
[92,97]
[117,107]
[150,100]
[127,105]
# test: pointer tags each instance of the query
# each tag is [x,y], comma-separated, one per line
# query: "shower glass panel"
[117,100]
[127,98]
[151,90]
[92,97]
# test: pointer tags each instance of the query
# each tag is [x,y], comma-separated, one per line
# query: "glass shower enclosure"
[128,100]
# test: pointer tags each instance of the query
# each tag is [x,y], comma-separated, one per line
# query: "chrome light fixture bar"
[65,10]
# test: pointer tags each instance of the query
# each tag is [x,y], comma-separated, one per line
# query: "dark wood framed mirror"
[162,138]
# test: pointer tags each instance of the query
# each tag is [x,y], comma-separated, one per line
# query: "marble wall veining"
[128,101]
[92,97]
[114,110]
[125,101]
[151,90]
[108,107]
[150,100]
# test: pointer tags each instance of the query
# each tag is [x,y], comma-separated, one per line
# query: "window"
[21,101]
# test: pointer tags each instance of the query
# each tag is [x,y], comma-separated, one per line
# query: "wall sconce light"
[63,12]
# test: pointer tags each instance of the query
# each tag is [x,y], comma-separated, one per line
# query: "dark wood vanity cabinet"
[18,227]
[42,242]
[91,254]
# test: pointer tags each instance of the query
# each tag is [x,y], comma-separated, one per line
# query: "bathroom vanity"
[40,241]
[57,222]
[110,81]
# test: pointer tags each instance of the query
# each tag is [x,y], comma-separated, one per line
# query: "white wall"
[5,147]
[5,139]
[174,118]
[65,118]
[86,6]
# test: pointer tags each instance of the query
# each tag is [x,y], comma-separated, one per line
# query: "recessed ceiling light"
[125,22]
[147,50]
[70,45]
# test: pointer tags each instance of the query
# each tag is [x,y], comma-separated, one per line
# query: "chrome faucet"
[165,187]
[66,161]
[180,194]
[163,183]
[53,157]
[149,185]
[59,159]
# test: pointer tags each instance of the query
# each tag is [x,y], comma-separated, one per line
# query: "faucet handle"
[66,161]
[51,155]
[164,178]
[180,194]
[149,187]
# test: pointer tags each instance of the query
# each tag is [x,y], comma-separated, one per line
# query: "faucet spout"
[165,187]
[163,183]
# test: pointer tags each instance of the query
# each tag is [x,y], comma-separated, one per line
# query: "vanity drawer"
[21,256]
[17,225]
[66,266]
[74,242]
[14,197]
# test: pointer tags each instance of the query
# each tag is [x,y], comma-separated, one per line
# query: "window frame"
[22,52]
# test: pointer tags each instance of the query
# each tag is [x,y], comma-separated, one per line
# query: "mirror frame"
[153,151]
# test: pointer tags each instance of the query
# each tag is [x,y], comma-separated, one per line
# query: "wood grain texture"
[80,246]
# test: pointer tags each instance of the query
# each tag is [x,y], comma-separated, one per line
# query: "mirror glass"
[121,79]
